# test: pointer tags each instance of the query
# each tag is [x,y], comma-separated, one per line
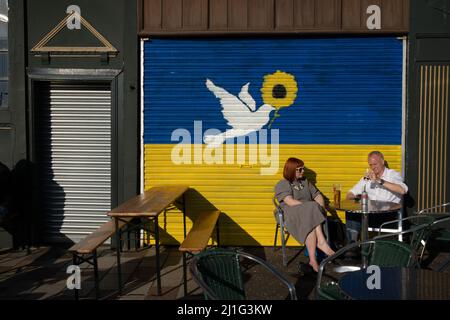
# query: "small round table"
[396,284]
[374,207]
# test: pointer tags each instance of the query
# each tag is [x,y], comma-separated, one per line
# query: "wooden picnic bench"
[89,245]
[148,205]
[198,237]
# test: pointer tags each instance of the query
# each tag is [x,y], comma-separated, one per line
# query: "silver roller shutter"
[74,155]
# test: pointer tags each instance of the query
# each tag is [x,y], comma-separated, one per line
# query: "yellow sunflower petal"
[279,89]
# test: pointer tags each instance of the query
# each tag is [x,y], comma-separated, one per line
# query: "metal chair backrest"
[436,209]
[418,231]
[218,273]
[278,211]
[383,253]
[441,229]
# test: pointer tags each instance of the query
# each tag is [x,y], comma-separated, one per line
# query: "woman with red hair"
[303,207]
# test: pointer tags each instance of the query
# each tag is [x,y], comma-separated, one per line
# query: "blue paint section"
[349,89]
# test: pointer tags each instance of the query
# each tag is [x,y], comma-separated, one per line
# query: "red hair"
[289,168]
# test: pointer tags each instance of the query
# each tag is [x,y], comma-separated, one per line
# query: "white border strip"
[142,173]
[404,89]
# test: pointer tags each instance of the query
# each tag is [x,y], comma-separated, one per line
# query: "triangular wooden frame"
[41,47]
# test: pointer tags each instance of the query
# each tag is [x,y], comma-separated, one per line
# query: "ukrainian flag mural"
[222,116]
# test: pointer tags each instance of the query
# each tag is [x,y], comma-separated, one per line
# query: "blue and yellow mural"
[328,101]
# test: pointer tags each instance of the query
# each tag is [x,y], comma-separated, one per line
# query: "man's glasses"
[300,169]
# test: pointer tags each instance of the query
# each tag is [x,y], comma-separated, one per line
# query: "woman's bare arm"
[319,199]
[291,201]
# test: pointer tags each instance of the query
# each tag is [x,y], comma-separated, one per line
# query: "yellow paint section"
[242,193]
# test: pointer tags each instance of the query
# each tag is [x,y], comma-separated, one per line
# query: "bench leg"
[97,288]
[128,240]
[184,215]
[184,253]
[276,235]
[137,238]
[158,267]
[118,244]
[218,233]
[184,274]
[75,263]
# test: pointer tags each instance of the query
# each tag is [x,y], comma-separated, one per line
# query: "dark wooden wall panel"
[304,14]
[237,14]
[218,14]
[152,14]
[284,14]
[328,13]
[392,14]
[351,12]
[195,14]
[260,14]
[270,16]
[405,15]
[364,15]
[172,14]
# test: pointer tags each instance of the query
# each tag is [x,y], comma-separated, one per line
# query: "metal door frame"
[112,76]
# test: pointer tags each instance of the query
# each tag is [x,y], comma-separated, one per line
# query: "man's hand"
[350,196]
[373,177]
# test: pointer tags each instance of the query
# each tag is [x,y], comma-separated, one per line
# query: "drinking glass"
[337,194]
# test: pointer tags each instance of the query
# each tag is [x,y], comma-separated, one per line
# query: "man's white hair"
[376,153]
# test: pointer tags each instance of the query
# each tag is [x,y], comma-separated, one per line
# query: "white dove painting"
[239,112]
[279,91]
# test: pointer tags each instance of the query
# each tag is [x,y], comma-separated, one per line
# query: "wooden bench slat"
[198,237]
[97,238]
[150,203]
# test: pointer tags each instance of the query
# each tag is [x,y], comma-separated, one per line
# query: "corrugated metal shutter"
[349,102]
[74,157]
[433,132]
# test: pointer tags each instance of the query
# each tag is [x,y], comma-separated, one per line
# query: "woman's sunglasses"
[300,169]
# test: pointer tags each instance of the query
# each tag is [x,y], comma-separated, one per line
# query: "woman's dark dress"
[301,219]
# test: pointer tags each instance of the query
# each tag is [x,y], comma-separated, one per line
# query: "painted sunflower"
[279,89]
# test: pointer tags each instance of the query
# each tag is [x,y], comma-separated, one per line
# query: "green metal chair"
[442,234]
[439,211]
[218,272]
[415,231]
[439,232]
[383,253]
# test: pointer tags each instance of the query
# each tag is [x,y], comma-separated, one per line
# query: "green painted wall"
[32,20]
